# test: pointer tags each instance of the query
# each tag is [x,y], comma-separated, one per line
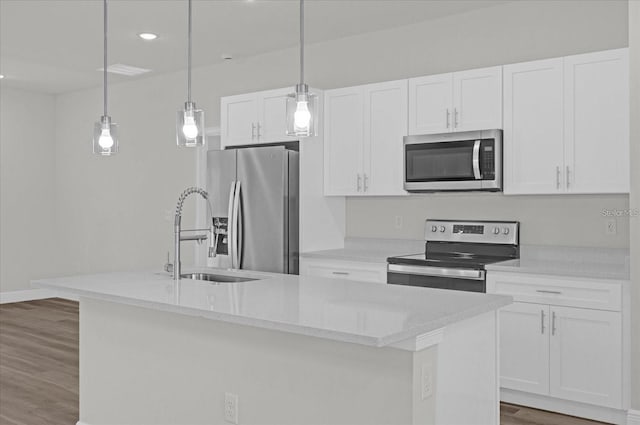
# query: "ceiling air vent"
[127,70]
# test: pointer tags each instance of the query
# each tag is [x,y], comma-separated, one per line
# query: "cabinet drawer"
[368,272]
[555,290]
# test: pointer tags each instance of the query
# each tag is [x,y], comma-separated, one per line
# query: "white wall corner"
[633,417]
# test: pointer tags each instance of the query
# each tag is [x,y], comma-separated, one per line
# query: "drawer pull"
[548,292]
[341,273]
[542,322]
[553,323]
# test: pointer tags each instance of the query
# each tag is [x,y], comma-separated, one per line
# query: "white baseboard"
[633,417]
[32,295]
[572,408]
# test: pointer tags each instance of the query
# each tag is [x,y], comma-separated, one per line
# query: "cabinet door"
[597,122]
[239,118]
[533,128]
[586,356]
[385,124]
[430,104]
[524,347]
[477,99]
[343,140]
[272,116]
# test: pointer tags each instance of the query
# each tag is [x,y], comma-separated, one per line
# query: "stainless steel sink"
[217,278]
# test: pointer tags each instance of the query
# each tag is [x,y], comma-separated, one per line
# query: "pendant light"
[302,106]
[190,122]
[105,132]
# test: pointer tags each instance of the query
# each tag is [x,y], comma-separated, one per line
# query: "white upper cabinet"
[566,125]
[255,118]
[477,99]
[596,108]
[343,138]
[238,119]
[363,131]
[385,124]
[459,101]
[533,128]
[430,104]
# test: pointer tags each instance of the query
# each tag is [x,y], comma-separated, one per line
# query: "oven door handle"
[437,272]
[476,160]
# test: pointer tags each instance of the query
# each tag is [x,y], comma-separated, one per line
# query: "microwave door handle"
[476,160]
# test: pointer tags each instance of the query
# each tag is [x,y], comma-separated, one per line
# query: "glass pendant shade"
[190,126]
[105,137]
[302,113]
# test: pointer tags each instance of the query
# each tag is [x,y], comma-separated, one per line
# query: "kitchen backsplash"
[575,220]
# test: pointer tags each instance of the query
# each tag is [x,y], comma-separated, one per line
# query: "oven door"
[464,161]
[469,280]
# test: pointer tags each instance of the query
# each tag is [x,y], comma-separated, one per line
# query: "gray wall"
[634,45]
[112,211]
[27,172]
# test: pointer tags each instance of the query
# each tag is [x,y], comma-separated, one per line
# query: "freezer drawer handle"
[341,273]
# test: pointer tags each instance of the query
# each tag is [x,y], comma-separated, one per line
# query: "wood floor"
[39,369]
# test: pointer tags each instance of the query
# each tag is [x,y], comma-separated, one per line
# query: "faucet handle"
[168,267]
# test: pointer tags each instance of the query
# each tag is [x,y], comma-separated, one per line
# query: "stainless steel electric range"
[456,253]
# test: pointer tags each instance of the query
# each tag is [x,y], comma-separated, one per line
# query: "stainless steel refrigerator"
[254,194]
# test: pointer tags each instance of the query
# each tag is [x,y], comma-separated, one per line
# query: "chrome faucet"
[178,237]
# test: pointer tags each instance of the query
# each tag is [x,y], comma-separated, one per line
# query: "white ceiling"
[55,46]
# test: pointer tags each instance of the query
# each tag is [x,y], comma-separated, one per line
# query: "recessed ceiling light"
[148,36]
[1,76]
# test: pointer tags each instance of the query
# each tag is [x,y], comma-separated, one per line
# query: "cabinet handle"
[455,117]
[558,177]
[366,183]
[553,323]
[448,116]
[542,322]
[341,273]
[253,130]
[548,292]
[359,183]
[568,176]
[259,127]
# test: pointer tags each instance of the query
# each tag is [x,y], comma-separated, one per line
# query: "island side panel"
[468,372]
[142,366]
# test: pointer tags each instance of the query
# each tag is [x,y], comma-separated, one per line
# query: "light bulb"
[105,141]
[302,116]
[190,129]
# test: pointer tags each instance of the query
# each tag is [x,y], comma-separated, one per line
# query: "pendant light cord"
[189,58]
[104,82]
[301,42]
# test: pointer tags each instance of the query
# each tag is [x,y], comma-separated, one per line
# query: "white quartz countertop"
[595,263]
[356,312]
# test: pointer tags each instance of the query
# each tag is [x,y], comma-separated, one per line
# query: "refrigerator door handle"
[237,228]
[230,223]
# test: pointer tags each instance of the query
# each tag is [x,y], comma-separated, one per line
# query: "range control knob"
[505,230]
[442,229]
[434,228]
[496,230]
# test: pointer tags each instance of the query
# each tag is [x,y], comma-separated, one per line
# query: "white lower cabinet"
[552,348]
[339,269]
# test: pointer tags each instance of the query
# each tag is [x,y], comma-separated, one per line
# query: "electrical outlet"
[231,408]
[612,226]
[398,222]
[426,387]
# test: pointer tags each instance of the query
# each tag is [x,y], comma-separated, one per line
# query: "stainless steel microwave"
[464,161]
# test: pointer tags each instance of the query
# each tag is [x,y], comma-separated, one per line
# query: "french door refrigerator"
[254,194]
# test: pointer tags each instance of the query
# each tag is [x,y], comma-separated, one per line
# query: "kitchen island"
[282,349]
